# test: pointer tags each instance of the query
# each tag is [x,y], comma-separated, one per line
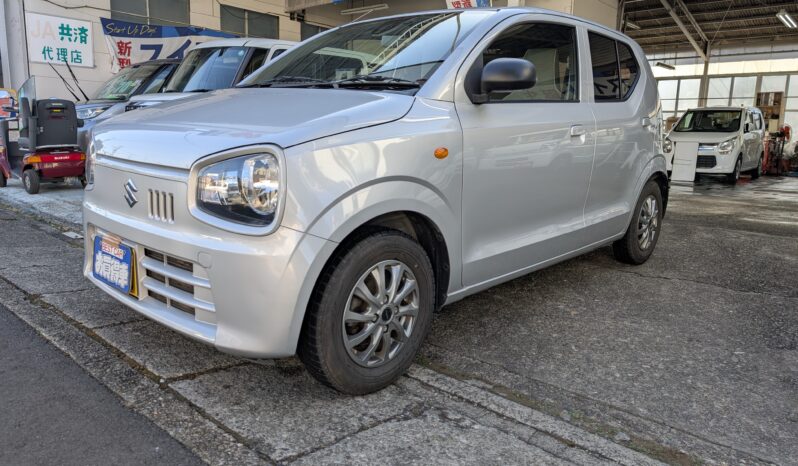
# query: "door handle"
[578,130]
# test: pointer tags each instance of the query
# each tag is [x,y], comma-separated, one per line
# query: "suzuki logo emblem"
[130,193]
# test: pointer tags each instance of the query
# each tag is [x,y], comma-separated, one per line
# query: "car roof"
[721,109]
[507,12]
[245,42]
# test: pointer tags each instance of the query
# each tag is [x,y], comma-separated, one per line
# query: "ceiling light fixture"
[632,25]
[365,9]
[665,65]
[786,19]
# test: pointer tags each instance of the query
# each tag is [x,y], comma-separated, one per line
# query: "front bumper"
[246,292]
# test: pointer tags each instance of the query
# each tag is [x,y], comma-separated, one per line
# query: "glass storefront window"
[667,88]
[689,88]
[719,88]
[744,86]
[773,84]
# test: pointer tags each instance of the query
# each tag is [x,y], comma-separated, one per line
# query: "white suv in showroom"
[726,140]
[373,174]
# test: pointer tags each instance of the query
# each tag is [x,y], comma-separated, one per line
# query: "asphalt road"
[691,358]
[53,412]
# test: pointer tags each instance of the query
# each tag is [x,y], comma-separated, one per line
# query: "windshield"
[710,121]
[407,48]
[207,69]
[125,83]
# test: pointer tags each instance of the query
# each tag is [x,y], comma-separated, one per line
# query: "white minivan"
[212,65]
[722,140]
[373,174]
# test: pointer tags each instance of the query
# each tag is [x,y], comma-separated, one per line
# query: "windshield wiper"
[294,80]
[374,80]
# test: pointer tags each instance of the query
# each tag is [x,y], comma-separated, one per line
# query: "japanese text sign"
[467,3]
[131,43]
[52,39]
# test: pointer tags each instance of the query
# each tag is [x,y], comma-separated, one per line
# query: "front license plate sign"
[113,263]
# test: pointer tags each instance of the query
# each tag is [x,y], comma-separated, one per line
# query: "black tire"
[629,249]
[757,172]
[30,179]
[734,176]
[82,181]
[321,345]
[2,181]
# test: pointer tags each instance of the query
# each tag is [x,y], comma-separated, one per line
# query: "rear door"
[624,104]
[527,153]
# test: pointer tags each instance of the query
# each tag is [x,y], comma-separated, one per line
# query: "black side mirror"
[504,75]
[81,122]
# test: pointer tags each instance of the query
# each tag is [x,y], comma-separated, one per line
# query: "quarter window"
[552,49]
[615,69]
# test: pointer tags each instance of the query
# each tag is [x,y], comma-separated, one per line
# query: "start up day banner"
[131,43]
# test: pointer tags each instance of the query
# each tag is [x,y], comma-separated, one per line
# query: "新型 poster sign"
[52,39]
[131,43]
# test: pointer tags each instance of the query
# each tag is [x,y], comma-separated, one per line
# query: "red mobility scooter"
[47,146]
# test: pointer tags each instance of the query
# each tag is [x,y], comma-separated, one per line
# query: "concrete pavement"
[689,358]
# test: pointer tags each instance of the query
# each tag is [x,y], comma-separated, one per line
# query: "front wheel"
[757,172]
[30,179]
[643,232]
[371,310]
[734,176]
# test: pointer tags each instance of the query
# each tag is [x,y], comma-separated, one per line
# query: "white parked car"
[331,205]
[729,140]
[212,65]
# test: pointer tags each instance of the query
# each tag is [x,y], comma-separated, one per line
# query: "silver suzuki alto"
[373,174]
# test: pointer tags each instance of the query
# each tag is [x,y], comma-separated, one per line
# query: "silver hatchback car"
[370,176]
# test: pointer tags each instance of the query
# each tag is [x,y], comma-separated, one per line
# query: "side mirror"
[748,127]
[504,75]
[81,122]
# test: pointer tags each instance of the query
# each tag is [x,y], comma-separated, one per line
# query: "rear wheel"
[734,176]
[370,313]
[641,237]
[82,181]
[30,179]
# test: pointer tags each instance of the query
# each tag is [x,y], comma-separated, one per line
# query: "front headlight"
[667,146]
[244,189]
[726,146]
[88,113]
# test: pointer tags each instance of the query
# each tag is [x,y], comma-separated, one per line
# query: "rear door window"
[615,68]
[604,58]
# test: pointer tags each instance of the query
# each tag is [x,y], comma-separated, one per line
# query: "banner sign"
[131,43]
[467,4]
[52,39]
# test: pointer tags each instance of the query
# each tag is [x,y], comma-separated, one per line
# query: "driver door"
[528,153]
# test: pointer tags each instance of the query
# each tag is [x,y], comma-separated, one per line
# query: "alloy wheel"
[647,222]
[380,313]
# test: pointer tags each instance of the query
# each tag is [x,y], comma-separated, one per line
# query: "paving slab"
[92,307]
[284,412]
[163,352]
[435,436]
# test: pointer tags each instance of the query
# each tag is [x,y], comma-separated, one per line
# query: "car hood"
[708,137]
[178,133]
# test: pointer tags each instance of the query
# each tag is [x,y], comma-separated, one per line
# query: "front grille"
[172,281]
[706,161]
[161,206]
